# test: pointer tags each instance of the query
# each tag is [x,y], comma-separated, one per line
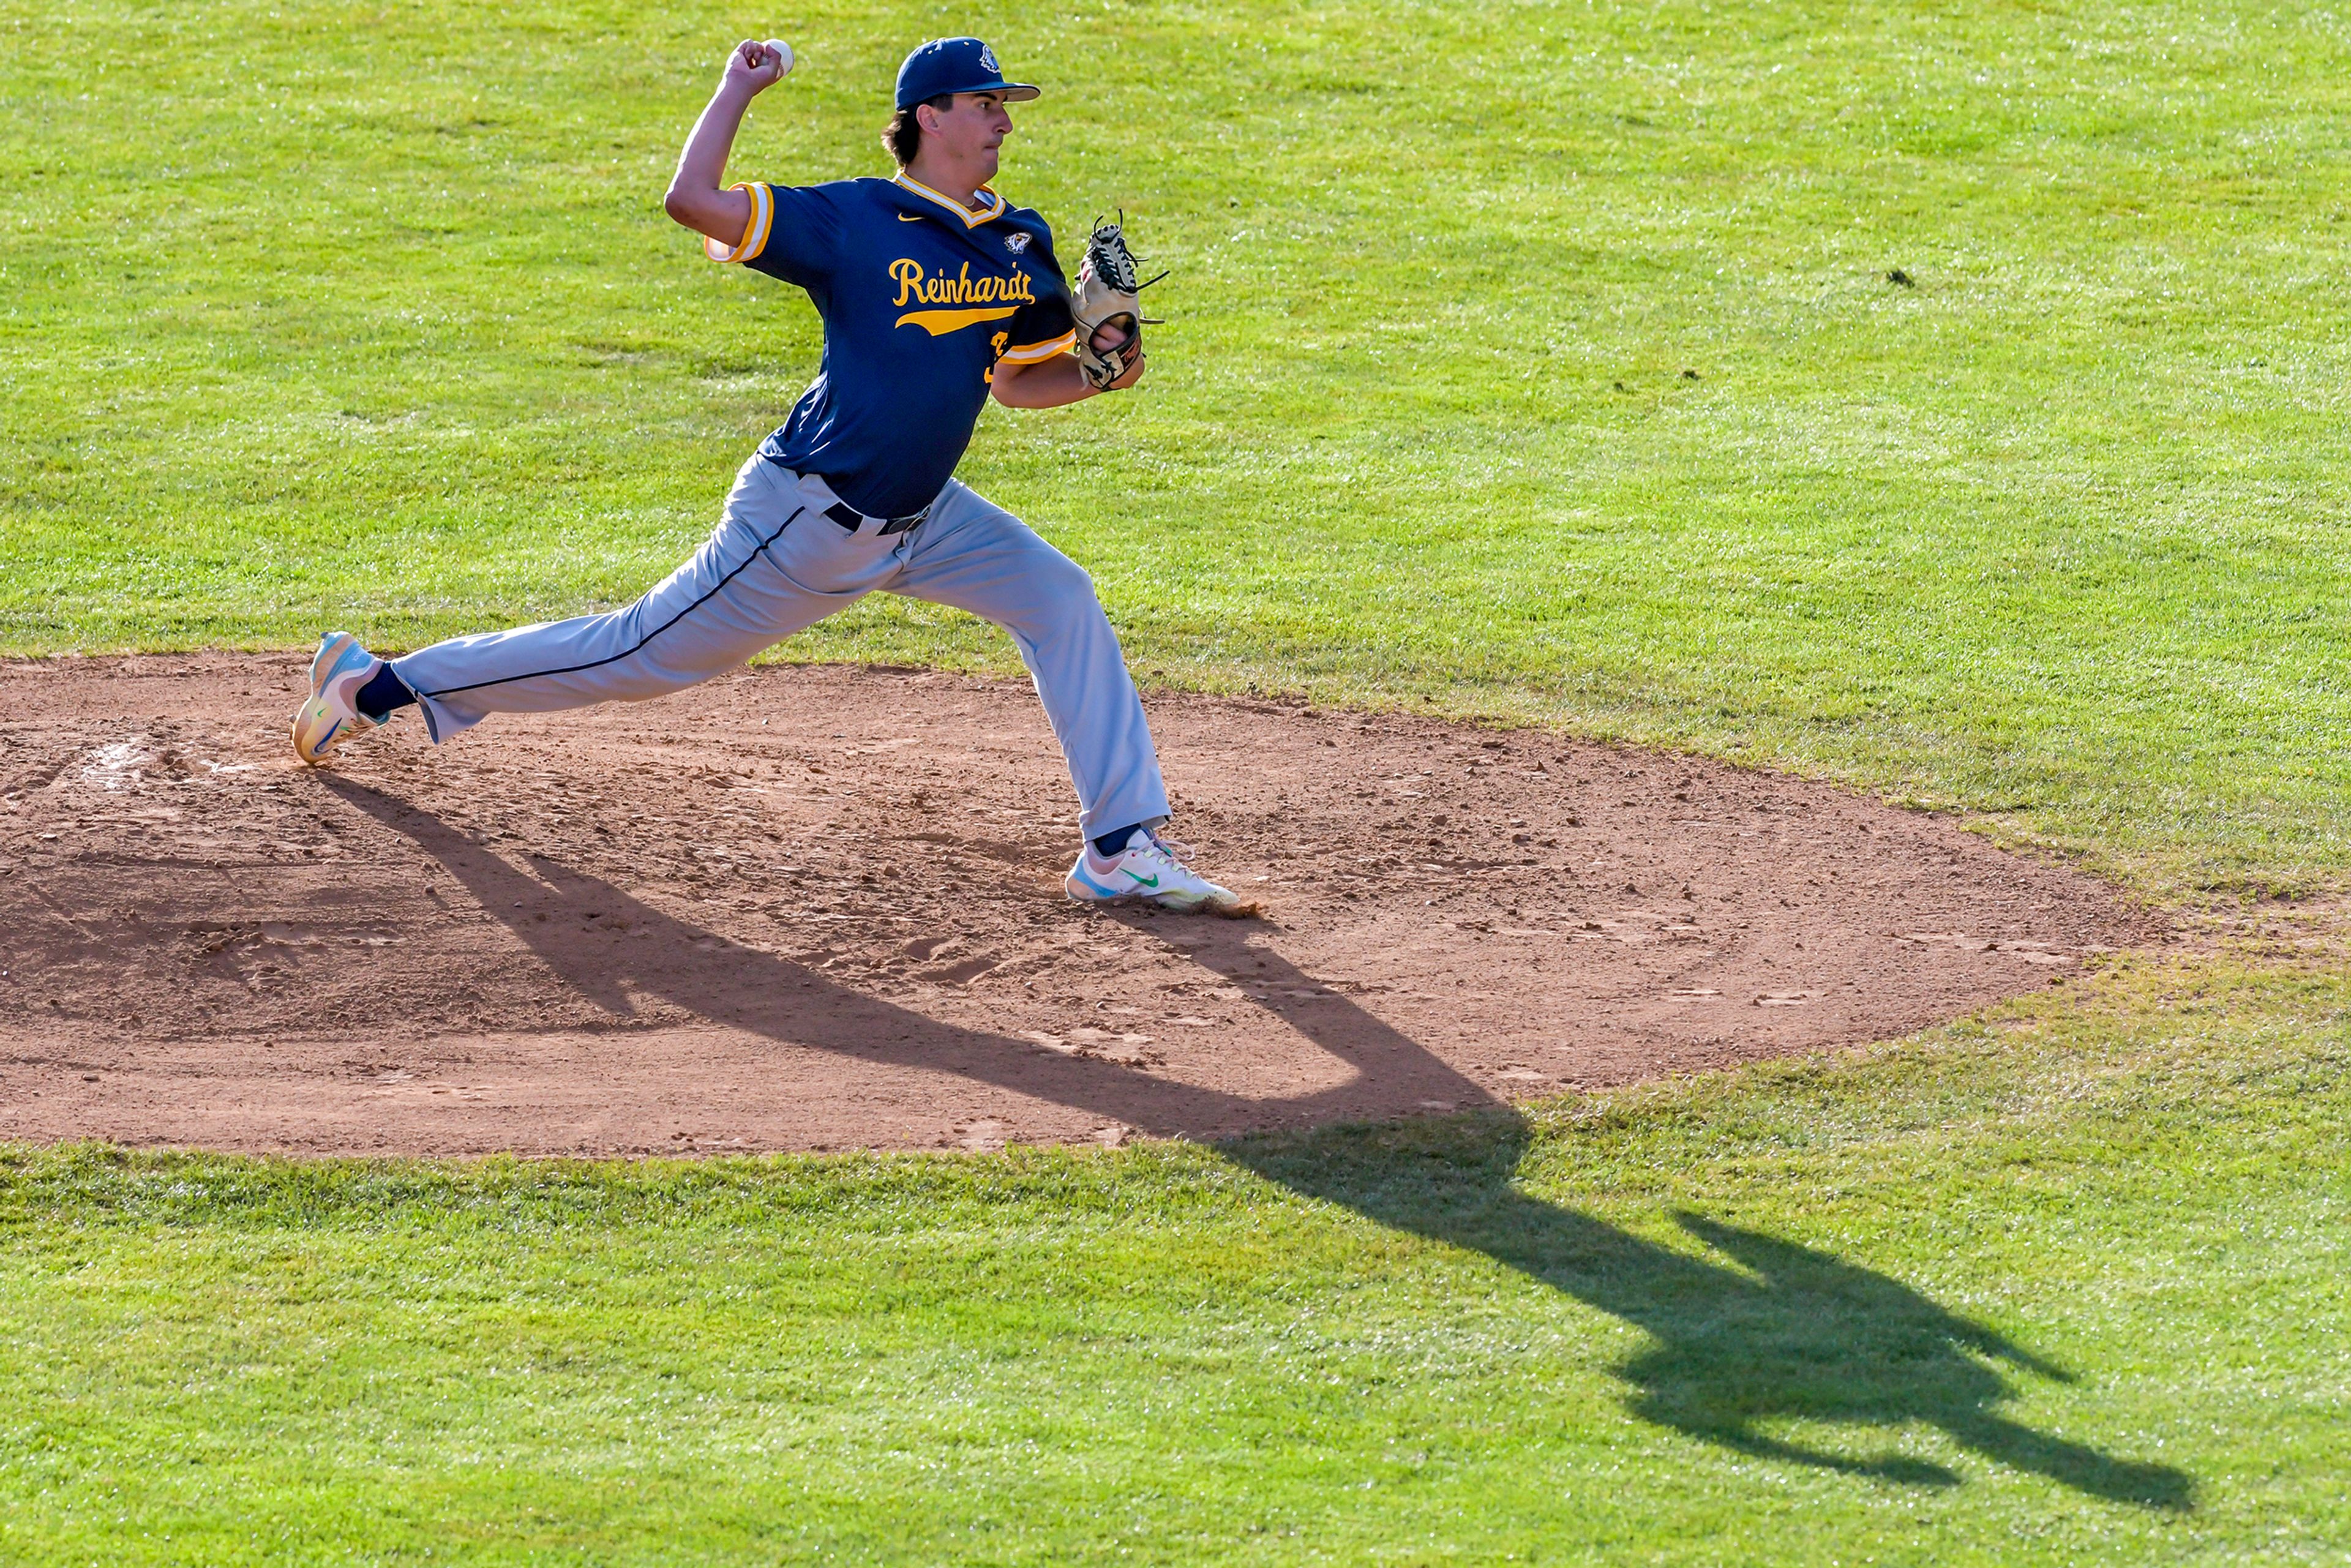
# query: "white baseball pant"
[776,564]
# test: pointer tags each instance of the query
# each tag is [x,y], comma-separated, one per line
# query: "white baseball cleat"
[1150,870]
[331,717]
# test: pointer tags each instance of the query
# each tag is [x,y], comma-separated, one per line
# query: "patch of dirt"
[820,908]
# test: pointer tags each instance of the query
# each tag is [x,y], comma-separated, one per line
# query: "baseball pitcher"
[937,294]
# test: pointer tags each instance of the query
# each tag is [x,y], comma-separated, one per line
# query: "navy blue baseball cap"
[956,64]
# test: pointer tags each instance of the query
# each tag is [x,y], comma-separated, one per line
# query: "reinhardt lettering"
[961,289]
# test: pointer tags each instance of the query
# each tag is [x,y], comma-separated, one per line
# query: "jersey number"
[995,352]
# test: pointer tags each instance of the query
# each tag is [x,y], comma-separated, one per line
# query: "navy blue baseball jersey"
[921,297]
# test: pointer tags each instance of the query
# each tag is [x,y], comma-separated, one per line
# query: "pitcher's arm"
[695,196]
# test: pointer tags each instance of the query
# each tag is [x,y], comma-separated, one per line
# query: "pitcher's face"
[972,127]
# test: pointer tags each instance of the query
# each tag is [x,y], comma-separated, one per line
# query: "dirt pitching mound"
[820,908]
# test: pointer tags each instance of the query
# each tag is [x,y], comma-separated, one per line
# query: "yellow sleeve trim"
[755,237]
[1030,353]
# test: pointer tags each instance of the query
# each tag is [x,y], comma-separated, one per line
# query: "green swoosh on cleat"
[1145,881]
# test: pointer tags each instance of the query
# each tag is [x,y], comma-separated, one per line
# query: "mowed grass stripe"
[2059,1285]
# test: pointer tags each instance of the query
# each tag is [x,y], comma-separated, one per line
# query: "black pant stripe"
[639,646]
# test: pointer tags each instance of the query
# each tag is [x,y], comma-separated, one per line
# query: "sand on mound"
[820,908]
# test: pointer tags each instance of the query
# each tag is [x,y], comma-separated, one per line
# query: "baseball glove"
[1107,295]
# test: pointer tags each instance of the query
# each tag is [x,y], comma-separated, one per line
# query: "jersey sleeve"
[1041,332]
[1043,327]
[795,232]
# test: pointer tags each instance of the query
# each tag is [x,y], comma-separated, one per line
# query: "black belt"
[853,519]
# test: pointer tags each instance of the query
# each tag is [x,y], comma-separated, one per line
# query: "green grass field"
[1529,361]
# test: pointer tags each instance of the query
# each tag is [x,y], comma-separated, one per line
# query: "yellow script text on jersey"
[961,289]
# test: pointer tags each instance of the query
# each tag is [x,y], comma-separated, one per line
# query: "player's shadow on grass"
[1788,1332]
[1778,1333]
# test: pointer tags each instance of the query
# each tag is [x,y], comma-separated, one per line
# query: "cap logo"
[1016,243]
[988,61]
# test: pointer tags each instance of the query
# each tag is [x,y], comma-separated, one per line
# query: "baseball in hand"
[783,53]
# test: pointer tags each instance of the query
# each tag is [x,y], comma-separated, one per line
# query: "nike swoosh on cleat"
[1152,880]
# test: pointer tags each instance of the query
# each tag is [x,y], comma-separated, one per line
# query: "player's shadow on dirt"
[1797,1335]
[567,917]
[1779,1331]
